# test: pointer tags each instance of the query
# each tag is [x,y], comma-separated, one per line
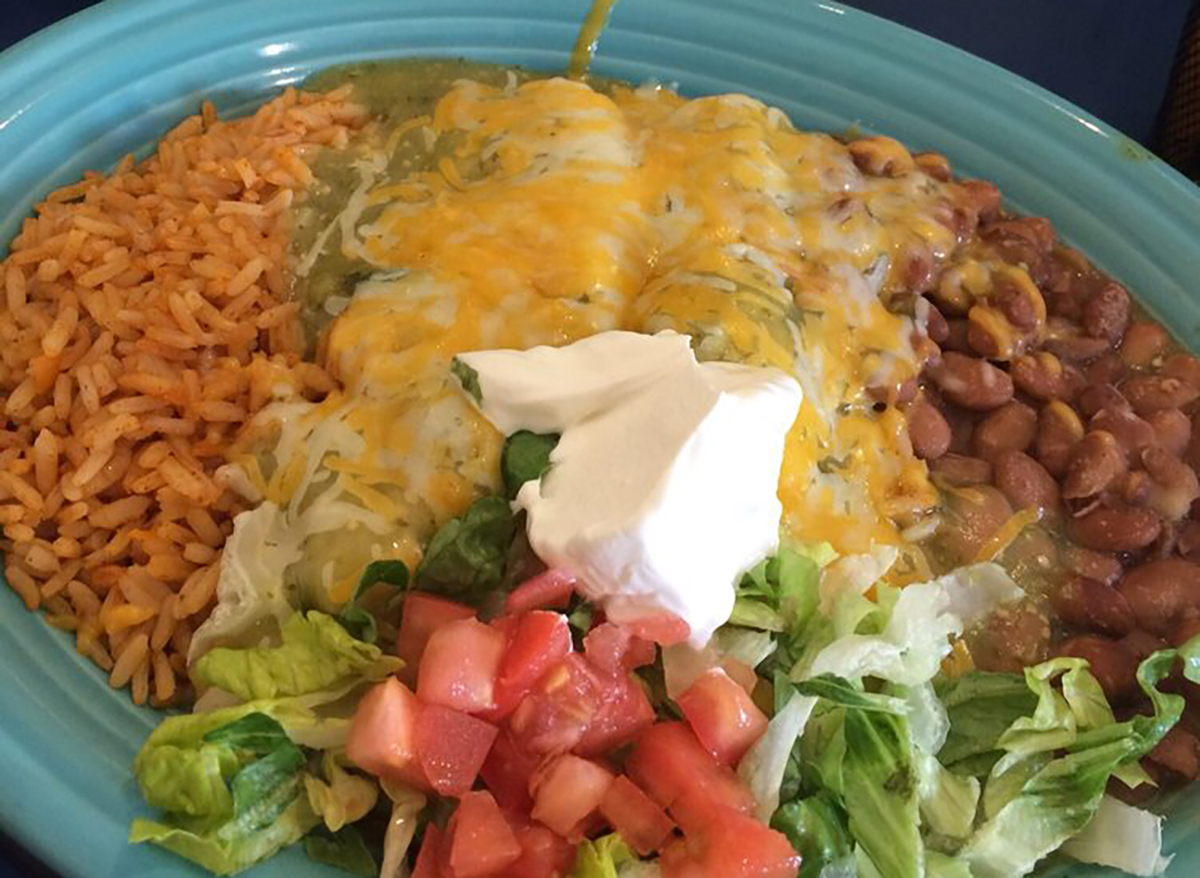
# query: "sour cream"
[662,489]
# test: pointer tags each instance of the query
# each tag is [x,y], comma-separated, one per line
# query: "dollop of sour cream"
[662,490]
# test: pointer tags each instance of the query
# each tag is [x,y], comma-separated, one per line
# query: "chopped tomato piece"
[566,791]
[460,665]
[543,855]
[614,650]
[428,863]
[538,640]
[741,673]
[723,715]
[663,628]
[507,771]
[452,747]
[677,772]
[421,615]
[643,825]
[624,711]
[383,732]
[731,846]
[553,717]
[551,588]
[479,840]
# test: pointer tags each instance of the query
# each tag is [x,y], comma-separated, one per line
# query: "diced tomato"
[566,791]
[549,589]
[624,711]
[553,717]
[479,840]
[614,650]
[428,863]
[538,640]
[421,615]
[382,736]
[741,673]
[663,628]
[677,772]
[637,819]
[452,747]
[460,665]
[732,846]
[507,771]
[543,855]
[723,715]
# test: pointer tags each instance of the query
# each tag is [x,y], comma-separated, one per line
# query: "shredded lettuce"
[1123,837]
[407,805]
[817,827]
[683,663]
[344,849]
[916,638]
[765,763]
[316,654]
[602,858]
[339,796]
[358,619]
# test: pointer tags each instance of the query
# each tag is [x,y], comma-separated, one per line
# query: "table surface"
[1080,49]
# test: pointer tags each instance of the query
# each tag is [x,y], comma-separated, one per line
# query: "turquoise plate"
[112,79]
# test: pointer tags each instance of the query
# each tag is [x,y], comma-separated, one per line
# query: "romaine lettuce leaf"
[359,620]
[765,763]
[317,654]
[263,772]
[407,805]
[980,706]
[340,797]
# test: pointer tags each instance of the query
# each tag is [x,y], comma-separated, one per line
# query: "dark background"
[1112,57]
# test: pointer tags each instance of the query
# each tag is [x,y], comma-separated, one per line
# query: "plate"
[114,78]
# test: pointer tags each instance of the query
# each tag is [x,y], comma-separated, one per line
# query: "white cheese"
[662,489]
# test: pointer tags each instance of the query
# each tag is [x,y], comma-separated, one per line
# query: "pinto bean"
[1116,528]
[1092,606]
[1105,369]
[1025,482]
[935,325]
[1160,592]
[1043,376]
[1106,314]
[982,197]
[1094,463]
[1059,428]
[961,471]
[1034,230]
[927,429]
[1173,484]
[1144,341]
[1097,397]
[991,335]
[1149,393]
[1178,752]
[1013,638]
[934,164]
[881,156]
[1188,540]
[1012,427]
[1172,429]
[1187,628]
[1100,566]
[1111,663]
[970,518]
[1143,644]
[1128,429]
[1185,367]
[957,337]
[1075,348]
[971,382]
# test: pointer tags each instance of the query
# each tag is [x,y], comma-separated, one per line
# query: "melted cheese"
[549,212]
